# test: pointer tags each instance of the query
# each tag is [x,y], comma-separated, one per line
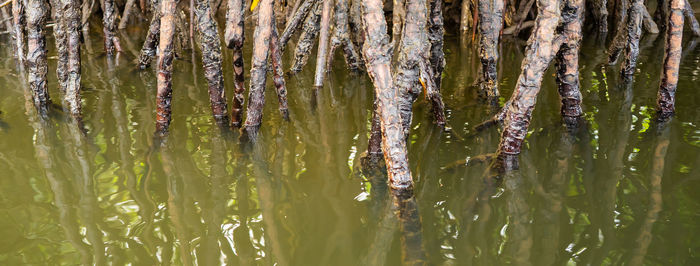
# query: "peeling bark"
[377,51]
[490,25]
[71,25]
[540,51]
[620,40]
[18,25]
[634,32]
[690,16]
[234,38]
[109,17]
[211,59]
[567,59]
[258,71]
[165,65]
[148,51]
[278,72]
[307,38]
[323,41]
[294,23]
[672,59]
[36,13]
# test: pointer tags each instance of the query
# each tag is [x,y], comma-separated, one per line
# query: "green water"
[620,190]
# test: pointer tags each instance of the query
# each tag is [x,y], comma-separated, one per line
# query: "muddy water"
[619,189]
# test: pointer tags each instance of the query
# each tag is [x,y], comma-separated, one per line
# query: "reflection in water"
[106,192]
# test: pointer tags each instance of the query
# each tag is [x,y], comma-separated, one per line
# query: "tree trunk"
[71,25]
[690,16]
[542,47]
[127,13]
[307,38]
[211,59]
[620,40]
[109,17]
[258,72]
[148,51]
[278,72]
[672,59]
[634,32]
[295,22]
[234,38]
[567,59]
[36,54]
[436,32]
[165,65]
[398,17]
[378,61]
[18,25]
[600,12]
[323,41]
[59,34]
[490,25]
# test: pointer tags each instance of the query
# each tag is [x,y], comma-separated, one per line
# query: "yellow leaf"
[254,4]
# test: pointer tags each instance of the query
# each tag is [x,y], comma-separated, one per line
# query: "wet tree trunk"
[540,51]
[413,49]
[600,12]
[18,25]
[634,32]
[295,22]
[567,60]
[234,38]
[258,71]
[127,13]
[165,65]
[307,38]
[109,20]
[59,34]
[148,51]
[323,41]
[620,40]
[36,53]
[672,59]
[278,72]
[341,37]
[690,16]
[378,61]
[71,20]
[490,25]
[211,59]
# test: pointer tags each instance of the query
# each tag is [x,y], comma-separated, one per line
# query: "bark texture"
[567,59]
[59,34]
[690,16]
[600,12]
[18,25]
[36,53]
[323,41]
[377,55]
[71,23]
[620,40]
[436,32]
[490,25]
[258,71]
[307,38]
[672,59]
[165,65]
[541,49]
[109,23]
[211,58]
[634,33]
[234,38]
[148,51]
